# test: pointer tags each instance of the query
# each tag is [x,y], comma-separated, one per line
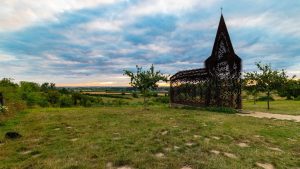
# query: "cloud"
[104,25]
[151,7]
[91,42]
[273,22]
[6,57]
[17,14]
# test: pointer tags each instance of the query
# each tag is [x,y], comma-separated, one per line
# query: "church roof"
[222,32]
[190,74]
[222,39]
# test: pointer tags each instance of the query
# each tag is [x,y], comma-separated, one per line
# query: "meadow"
[291,107]
[127,136]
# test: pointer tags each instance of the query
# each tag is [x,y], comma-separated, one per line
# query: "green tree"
[53,96]
[291,89]
[9,89]
[45,87]
[251,89]
[65,101]
[145,81]
[8,82]
[29,92]
[266,80]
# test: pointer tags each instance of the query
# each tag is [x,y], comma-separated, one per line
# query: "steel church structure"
[216,85]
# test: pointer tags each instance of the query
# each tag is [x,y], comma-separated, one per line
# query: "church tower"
[224,71]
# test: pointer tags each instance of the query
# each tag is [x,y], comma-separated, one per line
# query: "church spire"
[222,36]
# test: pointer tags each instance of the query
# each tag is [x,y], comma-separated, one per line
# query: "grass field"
[160,138]
[279,106]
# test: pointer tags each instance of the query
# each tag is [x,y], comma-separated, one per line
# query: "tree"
[45,87]
[29,92]
[8,89]
[145,81]
[266,80]
[291,89]
[251,89]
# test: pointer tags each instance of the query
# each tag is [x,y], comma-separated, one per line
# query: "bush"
[100,101]
[31,98]
[154,94]
[222,109]
[43,102]
[164,100]
[265,98]
[135,95]
[65,101]
[118,102]
[53,97]
[297,98]
[87,101]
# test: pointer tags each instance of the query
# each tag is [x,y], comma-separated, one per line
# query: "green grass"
[92,137]
[279,106]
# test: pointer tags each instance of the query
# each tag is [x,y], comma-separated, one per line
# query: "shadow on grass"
[225,110]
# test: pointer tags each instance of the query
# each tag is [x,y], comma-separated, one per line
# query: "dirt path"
[272,116]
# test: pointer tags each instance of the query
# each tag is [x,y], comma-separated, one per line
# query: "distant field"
[75,138]
[112,93]
[118,93]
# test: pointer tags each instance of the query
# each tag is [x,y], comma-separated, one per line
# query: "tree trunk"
[268,99]
[1,99]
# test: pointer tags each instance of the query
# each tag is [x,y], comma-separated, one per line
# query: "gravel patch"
[272,116]
[275,149]
[215,152]
[243,145]
[230,155]
[265,165]
[159,155]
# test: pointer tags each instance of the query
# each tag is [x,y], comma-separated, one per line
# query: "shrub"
[65,101]
[164,100]
[221,109]
[150,103]
[87,101]
[100,101]
[43,102]
[31,98]
[297,98]
[154,94]
[118,102]
[265,98]
[53,96]
[135,95]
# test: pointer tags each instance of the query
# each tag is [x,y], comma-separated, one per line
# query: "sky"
[91,42]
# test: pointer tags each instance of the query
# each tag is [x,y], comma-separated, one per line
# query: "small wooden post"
[1,99]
